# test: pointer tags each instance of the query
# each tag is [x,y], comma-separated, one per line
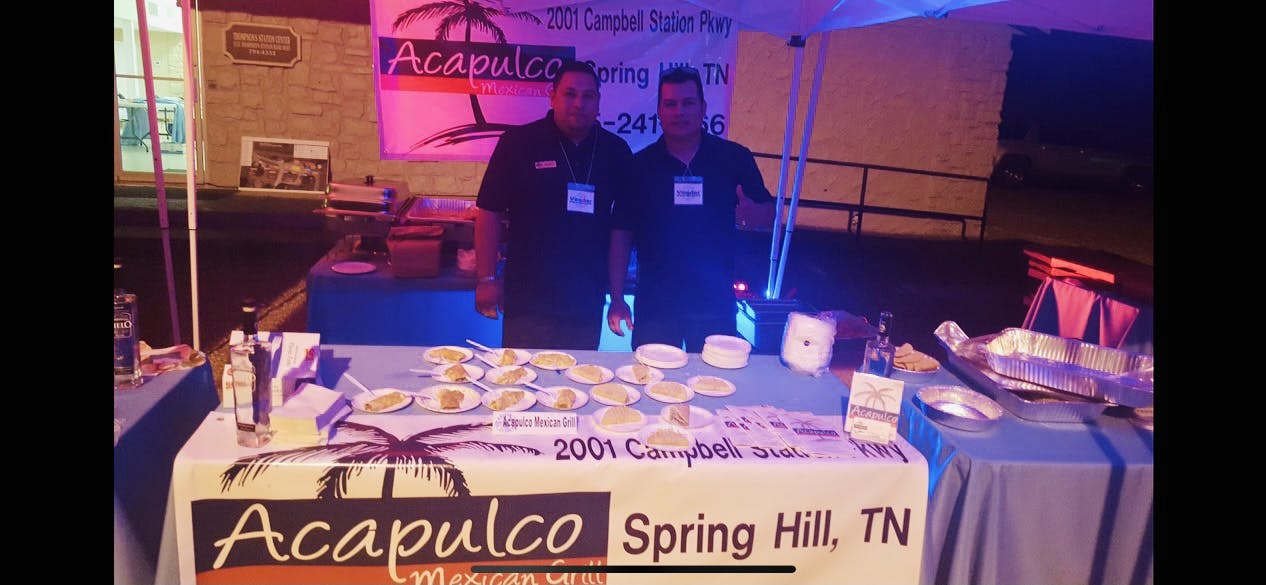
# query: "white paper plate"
[721,362]
[607,375]
[549,396]
[473,372]
[359,401]
[521,356]
[694,381]
[650,391]
[569,361]
[632,427]
[727,345]
[353,267]
[634,396]
[645,433]
[625,373]
[525,402]
[496,373]
[700,418]
[897,368]
[661,355]
[429,355]
[426,398]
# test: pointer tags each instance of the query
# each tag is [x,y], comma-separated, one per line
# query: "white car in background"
[1028,155]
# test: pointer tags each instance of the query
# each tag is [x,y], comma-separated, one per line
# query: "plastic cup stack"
[726,351]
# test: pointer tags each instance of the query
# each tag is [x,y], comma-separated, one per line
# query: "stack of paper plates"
[725,351]
[660,355]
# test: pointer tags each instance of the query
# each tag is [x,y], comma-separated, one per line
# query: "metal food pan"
[1073,366]
[1029,401]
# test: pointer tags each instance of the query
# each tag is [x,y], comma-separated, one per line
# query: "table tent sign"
[450,81]
[462,498]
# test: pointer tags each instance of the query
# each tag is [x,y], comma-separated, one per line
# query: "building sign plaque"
[260,44]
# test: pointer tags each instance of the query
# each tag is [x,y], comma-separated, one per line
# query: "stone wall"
[920,94]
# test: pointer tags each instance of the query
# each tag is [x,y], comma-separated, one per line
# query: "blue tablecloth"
[137,125]
[1030,502]
[155,421]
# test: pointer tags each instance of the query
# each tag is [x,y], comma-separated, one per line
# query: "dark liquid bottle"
[879,353]
[251,365]
[127,340]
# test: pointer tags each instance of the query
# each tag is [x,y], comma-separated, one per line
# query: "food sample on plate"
[679,414]
[613,392]
[619,415]
[507,399]
[711,384]
[666,437]
[588,372]
[446,354]
[673,390]
[511,376]
[385,401]
[908,358]
[553,360]
[456,373]
[564,399]
[507,357]
[450,399]
[641,373]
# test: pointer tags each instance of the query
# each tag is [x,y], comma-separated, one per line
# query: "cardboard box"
[295,357]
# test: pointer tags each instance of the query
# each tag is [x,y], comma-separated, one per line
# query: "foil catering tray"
[966,357]
[1074,366]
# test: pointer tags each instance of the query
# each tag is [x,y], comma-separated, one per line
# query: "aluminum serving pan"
[966,357]
[1073,366]
[958,407]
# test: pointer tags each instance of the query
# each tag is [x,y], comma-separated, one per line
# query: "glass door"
[134,140]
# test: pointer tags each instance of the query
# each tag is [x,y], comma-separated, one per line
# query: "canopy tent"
[794,20]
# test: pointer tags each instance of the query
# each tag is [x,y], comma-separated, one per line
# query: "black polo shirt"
[556,260]
[685,253]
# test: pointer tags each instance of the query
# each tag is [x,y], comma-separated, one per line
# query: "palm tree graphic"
[420,454]
[470,14]
[872,396]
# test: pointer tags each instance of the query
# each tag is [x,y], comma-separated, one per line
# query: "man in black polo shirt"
[554,180]
[681,218]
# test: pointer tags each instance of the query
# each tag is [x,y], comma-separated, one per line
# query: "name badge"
[580,198]
[546,164]
[687,190]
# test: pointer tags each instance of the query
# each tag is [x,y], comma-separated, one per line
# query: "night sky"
[1092,86]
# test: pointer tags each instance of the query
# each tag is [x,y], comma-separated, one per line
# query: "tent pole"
[156,151]
[191,158]
[804,151]
[797,44]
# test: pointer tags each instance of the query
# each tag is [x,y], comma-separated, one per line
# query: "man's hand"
[753,216]
[619,311]
[488,298]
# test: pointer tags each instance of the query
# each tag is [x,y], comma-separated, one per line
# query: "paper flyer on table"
[757,429]
[874,407]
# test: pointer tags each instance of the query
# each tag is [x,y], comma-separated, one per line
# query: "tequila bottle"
[127,340]
[250,364]
[877,358]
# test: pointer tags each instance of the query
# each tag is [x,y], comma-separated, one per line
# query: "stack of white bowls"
[726,351]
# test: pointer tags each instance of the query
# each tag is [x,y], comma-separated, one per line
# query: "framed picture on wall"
[283,164]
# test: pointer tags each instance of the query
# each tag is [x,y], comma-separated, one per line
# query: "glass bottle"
[250,364]
[127,340]
[879,353]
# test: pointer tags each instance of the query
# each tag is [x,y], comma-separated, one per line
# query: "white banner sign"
[452,77]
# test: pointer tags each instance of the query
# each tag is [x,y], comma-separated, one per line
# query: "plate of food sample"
[670,392]
[553,360]
[380,401]
[615,394]
[506,357]
[619,419]
[458,373]
[353,267]
[448,354]
[686,416]
[562,397]
[711,385]
[640,374]
[510,375]
[448,399]
[666,437]
[590,374]
[511,399]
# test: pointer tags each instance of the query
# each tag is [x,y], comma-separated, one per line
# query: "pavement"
[262,245]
